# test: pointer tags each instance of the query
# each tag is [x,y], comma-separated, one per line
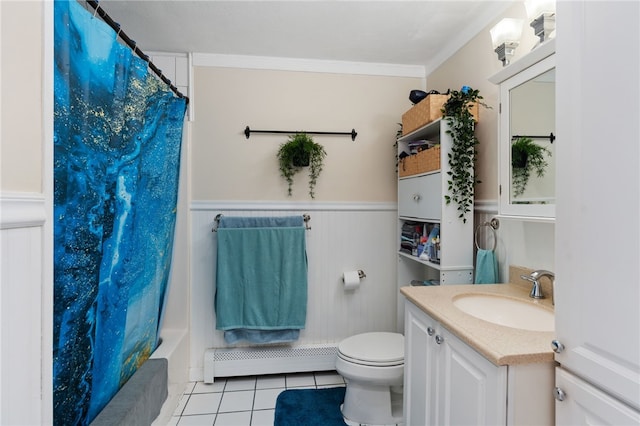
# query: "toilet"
[373,367]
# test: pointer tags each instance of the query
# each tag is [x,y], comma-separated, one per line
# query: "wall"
[519,243]
[343,237]
[25,215]
[229,99]
[353,218]
[472,65]
[21,155]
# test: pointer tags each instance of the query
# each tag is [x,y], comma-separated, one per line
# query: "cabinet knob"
[557,346]
[439,339]
[559,394]
[416,197]
[430,331]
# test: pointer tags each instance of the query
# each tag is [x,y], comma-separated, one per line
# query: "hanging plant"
[462,180]
[395,146]
[526,156]
[298,152]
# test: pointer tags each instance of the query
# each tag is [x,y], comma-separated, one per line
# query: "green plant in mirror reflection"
[526,157]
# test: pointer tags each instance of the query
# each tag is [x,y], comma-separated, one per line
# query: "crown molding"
[307,65]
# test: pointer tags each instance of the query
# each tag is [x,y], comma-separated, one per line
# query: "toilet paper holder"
[361,274]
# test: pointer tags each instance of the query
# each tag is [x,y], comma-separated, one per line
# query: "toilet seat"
[378,349]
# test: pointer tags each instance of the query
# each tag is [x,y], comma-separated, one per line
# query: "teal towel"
[261,279]
[486,267]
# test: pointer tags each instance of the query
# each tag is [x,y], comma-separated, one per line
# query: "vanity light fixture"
[505,36]
[542,17]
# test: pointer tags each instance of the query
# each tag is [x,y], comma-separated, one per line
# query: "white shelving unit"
[421,200]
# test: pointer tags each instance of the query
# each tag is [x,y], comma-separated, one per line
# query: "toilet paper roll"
[351,280]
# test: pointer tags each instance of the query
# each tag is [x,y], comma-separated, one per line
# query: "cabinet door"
[596,290]
[584,404]
[419,359]
[446,382]
[472,390]
[420,197]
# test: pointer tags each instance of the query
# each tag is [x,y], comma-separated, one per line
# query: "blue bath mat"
[310,407]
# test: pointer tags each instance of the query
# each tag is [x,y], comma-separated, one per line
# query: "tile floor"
[243,401]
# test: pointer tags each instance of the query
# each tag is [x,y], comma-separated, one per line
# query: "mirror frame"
[537,62]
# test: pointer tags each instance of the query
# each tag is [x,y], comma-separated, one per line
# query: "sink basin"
[506,311]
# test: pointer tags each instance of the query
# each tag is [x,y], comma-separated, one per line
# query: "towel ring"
[493,225]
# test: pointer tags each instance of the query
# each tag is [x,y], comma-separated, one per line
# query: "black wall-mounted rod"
[352,133]
[132,44]
[550,136]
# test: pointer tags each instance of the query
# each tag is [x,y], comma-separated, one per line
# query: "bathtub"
[174,346]
[154,390]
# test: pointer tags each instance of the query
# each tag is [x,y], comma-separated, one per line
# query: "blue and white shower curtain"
[117,137]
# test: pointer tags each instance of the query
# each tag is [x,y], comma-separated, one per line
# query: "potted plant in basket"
[526,156]
[298,152]
[462,180]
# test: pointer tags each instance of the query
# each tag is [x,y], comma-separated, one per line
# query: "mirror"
[532,135]
[527,140]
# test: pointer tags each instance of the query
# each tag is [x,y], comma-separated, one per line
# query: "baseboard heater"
[249,361]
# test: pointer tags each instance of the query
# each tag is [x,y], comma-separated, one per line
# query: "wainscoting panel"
[22,357]
[342,237]
[528,244]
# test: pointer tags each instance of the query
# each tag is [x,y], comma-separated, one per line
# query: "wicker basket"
[426,111]
[425,161]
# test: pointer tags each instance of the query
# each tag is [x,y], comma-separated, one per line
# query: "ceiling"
[387,32]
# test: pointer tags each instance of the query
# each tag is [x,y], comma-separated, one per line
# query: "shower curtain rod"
[132,44]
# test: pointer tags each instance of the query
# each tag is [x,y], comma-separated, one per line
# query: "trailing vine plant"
[395,145]
[301,151]
[462,180]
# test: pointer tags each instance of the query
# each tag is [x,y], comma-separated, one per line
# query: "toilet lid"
[381,348]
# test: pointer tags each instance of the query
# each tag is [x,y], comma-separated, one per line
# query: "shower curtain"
[117,136]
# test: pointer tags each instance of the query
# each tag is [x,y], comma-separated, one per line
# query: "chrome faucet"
[536,289]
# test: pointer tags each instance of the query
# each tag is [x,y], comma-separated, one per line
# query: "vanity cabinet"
[421,201]
[447,382]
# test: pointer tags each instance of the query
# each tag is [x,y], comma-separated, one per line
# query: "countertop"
[499,344]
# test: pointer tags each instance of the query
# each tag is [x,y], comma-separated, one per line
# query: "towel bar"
[305,217]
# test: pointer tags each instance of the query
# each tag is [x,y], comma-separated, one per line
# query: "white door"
[597,288]
[583,404]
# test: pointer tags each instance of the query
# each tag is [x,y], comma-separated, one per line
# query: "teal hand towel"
[486,267]
[261,278]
